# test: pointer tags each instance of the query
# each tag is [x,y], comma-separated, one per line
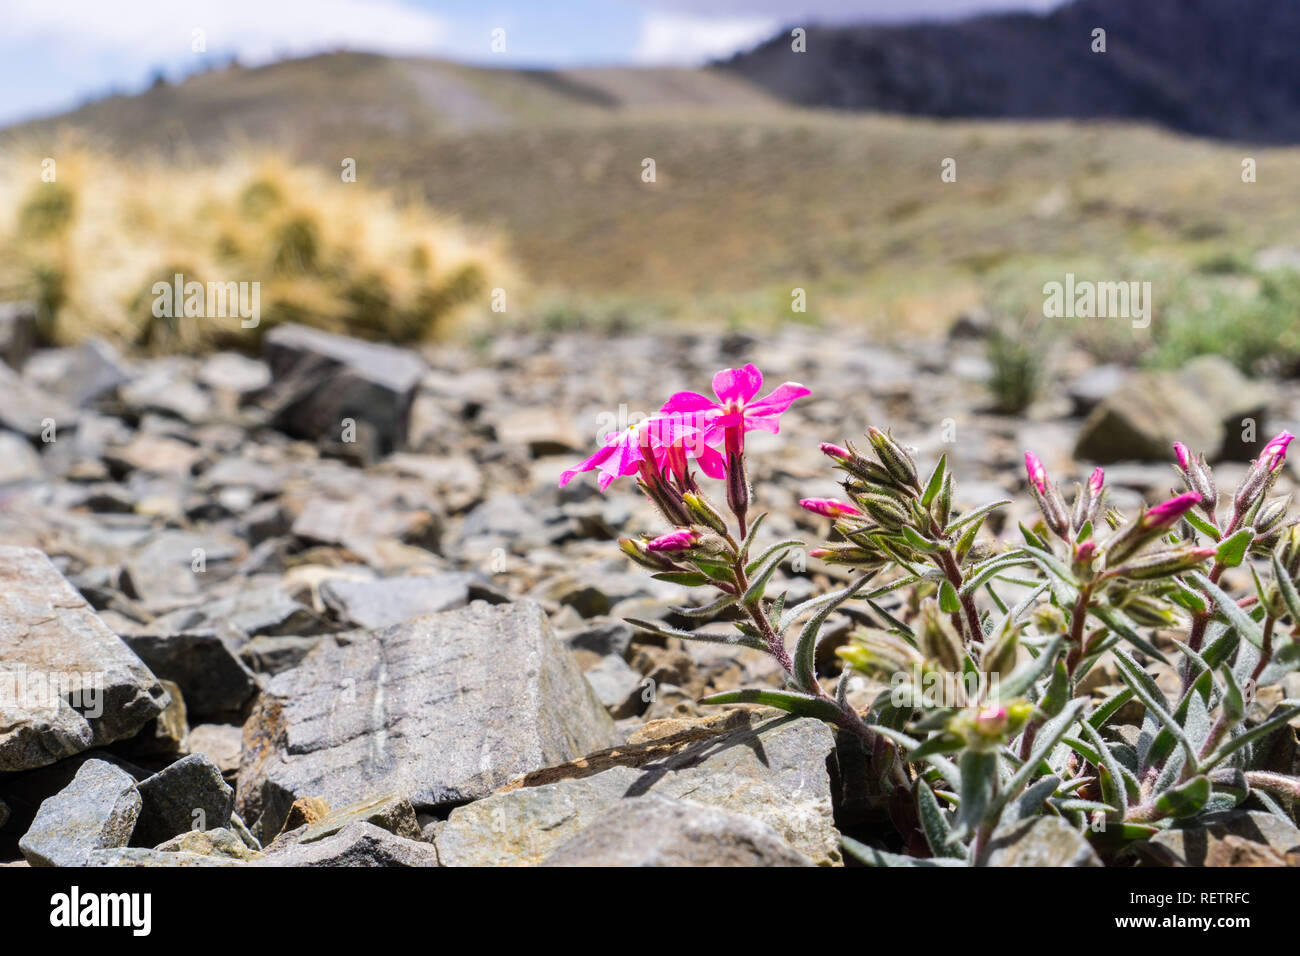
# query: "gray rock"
[143,856]
[390,812]
[602,637]
[1203,843]
[252,611]
[441,709]
[1202,406]
[386,601]
[321,379]
[207,667]
[17,332]
[1091,388]
[774,771]
[29,410]
[70,682]
[232,372]
[219,743]
[275,655]
[82,374]
[658,831]
[18,460]
[187,795]
[358,844]
[1040,841]
[98,809]
[617,686]
[220,842]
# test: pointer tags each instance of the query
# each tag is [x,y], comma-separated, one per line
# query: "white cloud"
[257,30]
[683,39]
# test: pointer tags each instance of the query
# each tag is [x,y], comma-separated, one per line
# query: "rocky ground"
[333,609]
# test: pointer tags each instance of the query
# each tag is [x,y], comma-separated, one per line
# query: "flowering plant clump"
[987,716]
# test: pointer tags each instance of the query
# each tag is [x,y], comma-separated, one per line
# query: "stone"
[773,770]
[67,683]
[17,332]
[1091,388]
[156,455]
[386,601]
[440,709]
[601,637]
[658,831]
[541,430]
[143,856]
[219,842]
[305,810]
[617,686]
[83,374]
[187,795]
[166,734]
[18,460]
[1198,844]
[30,410]
[98,809]
[320,379]
[274,655]
[390,812]
[1235,398]
[206,665]
[1040,841]
[358,844]
[356,525]
[219,743]
[232,372]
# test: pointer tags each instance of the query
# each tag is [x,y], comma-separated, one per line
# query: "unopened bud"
[703,512]
[894,457]
[683,539]
[885,511]
[828,507]
[1163,564]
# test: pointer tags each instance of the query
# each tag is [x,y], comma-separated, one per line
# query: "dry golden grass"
[90,245]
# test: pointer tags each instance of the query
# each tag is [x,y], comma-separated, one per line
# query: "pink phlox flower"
[1169,513]
[736,410]
[1274,453]
[828,507]
[1036,472]
[627,452]
[683,539]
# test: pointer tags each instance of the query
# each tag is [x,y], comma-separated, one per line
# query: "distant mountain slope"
[1222,68]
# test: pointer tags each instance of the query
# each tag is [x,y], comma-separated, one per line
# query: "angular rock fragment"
[187,795]
[774,771]
[386,601]
[440,709]
[658,831]
[358,844]
[67,683]
[98,809]
[1040,841]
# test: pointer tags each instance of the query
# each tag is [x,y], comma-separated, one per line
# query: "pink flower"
[1169,513]
[1183,454]
[683,539]
[1274,453]
[1037,473]
[835,451]
[828,507]
[636,448]
[737,411]
[1095,481]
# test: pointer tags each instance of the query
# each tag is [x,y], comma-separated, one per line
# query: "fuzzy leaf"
[1184,800]
[934,824]
[1112,784]
[1146,690]
[1289,709]
[664,630]
[804,705]
[805,651]
[870,856]
[707,610]
[935,483]
[1232,550]
[1238,619]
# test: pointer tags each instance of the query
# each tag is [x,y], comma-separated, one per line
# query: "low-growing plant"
[986,717]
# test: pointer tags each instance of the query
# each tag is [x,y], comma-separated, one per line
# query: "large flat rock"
[67,683]
[440,709]
[773,770]
[97,810]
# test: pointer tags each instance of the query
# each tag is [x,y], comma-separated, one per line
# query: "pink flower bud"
[1085,552]
[1095,481]
[683,539]
[991,720]
[1184,455]
[1169,513]
[828,507]
[835,451]
[819,553]
[1274,453]
[1037,473]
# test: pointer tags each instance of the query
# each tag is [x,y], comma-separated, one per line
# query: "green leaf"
[1232,551]
[934,824]
[1109,707]
[665,630]
[804,705]
[1286,587]
[749,536]
[1112,783]
[1290,708]
[976,515]
[812,604]
[947,769]
[870,856]
[754,593]
[1049,735]
[987,570]
[805,651]
[1028,673]
[1118,622]
[1238,619]
[1146,690]
[689,579]
[935,483]
[776,550]
[949,603]
[1203,526]
[920,543]
[707,610]
[979,778]
[1184,800]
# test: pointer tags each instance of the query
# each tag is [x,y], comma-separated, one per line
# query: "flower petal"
[688,402]
[711,462]
[781,398]
[737,384]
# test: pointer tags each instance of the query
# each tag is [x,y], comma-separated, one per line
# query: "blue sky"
[56,53]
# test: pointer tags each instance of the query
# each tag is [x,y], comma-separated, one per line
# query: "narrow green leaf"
[978,514]
[979,778]
[804,705]
[689,579]
[1290,708]
[934,824]
[806,649]
[1184,800]
[664,630]
[1232,551]
[870,856]
[949,603]
[750,535]
[1112,783]
[707,610]
[1118,622]
[1237,618]
[1202,525]
[935,483]
[776,550]
[1146,690]
[1286,587]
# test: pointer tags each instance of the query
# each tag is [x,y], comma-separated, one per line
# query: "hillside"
[752,197]
[1223,68]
